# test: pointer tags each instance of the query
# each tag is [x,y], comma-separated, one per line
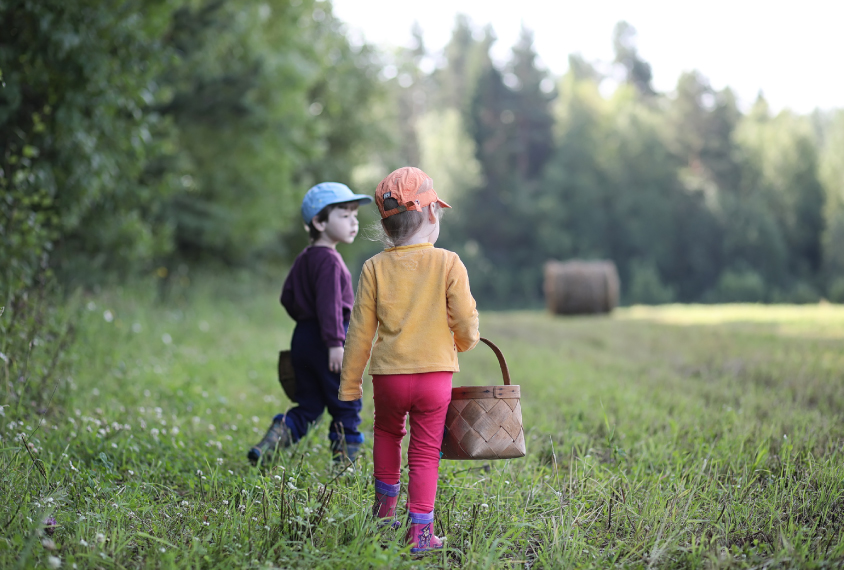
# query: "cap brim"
[442,204]
[362,199]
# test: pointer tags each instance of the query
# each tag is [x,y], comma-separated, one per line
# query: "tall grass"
[694,437]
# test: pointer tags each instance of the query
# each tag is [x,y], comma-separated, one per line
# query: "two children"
[417,299]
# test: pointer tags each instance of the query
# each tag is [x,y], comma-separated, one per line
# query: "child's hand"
[335,358]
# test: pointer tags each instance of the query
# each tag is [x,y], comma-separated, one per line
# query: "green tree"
[780,175]
[511,124]
[79,138]
[466,57]
[832,175]
[269,99]
[637,71]
[79,134]
[533,94]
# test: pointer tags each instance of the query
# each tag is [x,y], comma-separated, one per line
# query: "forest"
[161,138]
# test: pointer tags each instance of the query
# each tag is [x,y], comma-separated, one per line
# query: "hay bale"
[581,287]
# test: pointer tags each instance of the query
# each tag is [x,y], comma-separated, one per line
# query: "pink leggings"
[425,396]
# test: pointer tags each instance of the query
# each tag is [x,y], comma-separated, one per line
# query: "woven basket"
[485,422]
[286,375]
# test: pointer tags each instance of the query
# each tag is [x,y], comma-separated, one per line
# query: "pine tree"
[533,94]
[637,71]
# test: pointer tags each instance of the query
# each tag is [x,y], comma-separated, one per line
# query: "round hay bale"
[581,287]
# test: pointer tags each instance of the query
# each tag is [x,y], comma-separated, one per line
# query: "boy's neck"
[323,241]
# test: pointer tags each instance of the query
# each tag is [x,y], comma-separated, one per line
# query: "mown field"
[670,437]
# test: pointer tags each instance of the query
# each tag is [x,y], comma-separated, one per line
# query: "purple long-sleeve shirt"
[319,287]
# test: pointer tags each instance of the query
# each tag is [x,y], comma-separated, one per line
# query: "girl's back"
[422,307]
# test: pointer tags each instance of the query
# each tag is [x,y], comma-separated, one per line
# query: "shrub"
[646,287]
[739,286]
[836,290]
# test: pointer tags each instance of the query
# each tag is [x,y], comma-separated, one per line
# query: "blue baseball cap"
[327,193]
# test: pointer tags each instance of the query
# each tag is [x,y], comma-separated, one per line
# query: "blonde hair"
[394,230]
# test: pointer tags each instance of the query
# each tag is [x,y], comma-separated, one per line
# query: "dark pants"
[317,387]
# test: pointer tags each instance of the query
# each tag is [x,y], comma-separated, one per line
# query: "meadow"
[658,437]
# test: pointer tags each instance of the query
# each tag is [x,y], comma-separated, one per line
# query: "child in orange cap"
[417,298]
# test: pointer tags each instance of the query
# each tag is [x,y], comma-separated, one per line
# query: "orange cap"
[407,188]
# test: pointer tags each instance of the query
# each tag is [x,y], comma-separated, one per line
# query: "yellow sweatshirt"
[417,298]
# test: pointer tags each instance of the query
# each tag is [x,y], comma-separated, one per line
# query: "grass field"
[670,437]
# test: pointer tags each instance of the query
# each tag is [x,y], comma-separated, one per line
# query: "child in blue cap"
[318,295]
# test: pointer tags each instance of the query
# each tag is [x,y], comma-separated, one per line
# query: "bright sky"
[792,51]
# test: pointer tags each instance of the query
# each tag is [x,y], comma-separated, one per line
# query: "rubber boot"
[420,535]
[344,452]
[384,508]
[277,436]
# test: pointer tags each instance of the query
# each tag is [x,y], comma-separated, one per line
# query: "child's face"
[342,225]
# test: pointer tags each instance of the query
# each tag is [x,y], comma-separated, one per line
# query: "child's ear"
[320,226]
[432,214]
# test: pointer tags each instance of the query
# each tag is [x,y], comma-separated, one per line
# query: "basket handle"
[505,372]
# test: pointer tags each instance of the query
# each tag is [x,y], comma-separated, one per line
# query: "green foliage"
[448,154]
[780,164]
[182,131]
[683,183]
[832,176]
[35,334]
[510,122]
[836,290]
[637,71]
[77,136]
[803,293]
[742,286]
[269,99]
[78,193]
[646,287]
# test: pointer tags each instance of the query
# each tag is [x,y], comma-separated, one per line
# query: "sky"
[791,51]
